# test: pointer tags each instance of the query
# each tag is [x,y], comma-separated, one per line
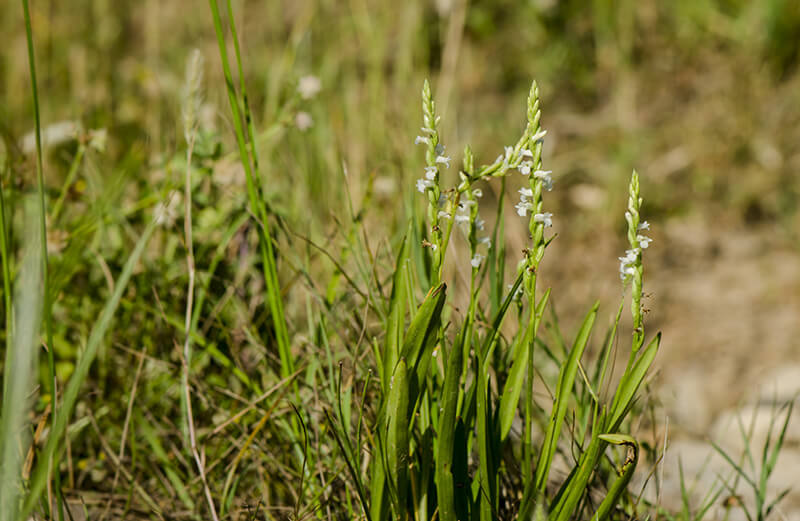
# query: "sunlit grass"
[256,313]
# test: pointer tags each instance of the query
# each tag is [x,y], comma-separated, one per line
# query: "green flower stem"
[632,216]
[533,258]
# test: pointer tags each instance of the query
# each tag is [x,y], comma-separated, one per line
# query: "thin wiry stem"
[190,130]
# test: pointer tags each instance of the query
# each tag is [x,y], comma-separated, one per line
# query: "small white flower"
[476,260]
[466,203]
[309,86]
[644,241]
[509,151]
[479,223]
[420,140]
[439,149]
[477,192]
[485,240]
[545,218]
[423,184]
[545,176]
[430,173]
[627,263]
[525,192]
[443,160]
[461,218]
[538,136]
[443,215]
[428,130]
[303,121]
[523,207]
[626,271]
[644,225]
[525,153]
[525,168]
[630,256]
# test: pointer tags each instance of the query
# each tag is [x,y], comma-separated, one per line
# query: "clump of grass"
[450,391]
[755,473]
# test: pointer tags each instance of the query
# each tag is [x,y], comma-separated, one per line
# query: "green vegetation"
[255,298]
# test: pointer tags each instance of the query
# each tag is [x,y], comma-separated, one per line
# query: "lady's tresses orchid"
[545,176]
[545,218]
[428,181]
[627,263]
[476,260]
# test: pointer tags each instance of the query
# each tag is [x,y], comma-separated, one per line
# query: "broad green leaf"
[566,382]
[397,427]
[397,307]
[447,430]
[516,377]
[423,332]
[630,382]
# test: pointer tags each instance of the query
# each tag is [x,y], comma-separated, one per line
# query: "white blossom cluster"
[525,205]
[627,264]
[430,171]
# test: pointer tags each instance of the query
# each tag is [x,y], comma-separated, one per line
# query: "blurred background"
[702,97]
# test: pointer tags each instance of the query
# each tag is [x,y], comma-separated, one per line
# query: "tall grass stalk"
[46,303]
[244,130]
[192,98]
[245,140]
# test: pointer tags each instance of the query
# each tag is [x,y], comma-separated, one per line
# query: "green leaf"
[447,430]
[566,383]
[630,382]
[626,473]
[513,386]
[423,332]
[397,307]
[397,428]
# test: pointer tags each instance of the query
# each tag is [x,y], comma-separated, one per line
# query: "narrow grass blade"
[349,462]
[157,449]
[274,299]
